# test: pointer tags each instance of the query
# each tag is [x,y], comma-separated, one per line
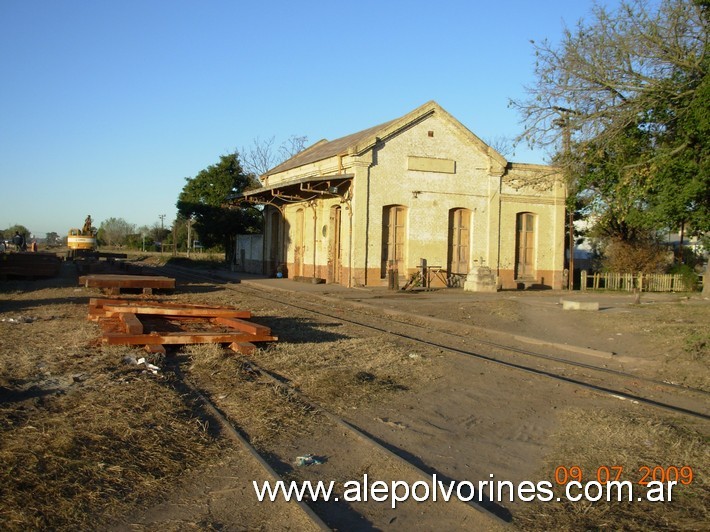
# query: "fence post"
[583,280]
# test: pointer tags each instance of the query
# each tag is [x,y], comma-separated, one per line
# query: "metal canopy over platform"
[295,191]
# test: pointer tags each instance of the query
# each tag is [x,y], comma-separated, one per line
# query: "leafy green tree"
[680,195]
[114,231]
[623,103]
[10,231]
[53,239]
[202,199]
[178,233]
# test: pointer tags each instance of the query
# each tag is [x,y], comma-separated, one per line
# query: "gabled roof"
[324,149]
[358,143]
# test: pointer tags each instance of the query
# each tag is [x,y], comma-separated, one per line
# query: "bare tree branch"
[262,155]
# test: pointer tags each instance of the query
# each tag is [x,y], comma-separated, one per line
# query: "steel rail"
[490,358]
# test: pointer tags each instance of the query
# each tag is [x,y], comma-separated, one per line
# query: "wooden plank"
[131,323]
[182,338]
[29,264]
[172,311]
[126,281]
[110,326]
[155,348]
[96,314]
[96,302]
[120,321]
[244,348]
[242,325]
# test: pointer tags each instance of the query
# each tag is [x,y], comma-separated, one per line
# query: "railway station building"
[420,187]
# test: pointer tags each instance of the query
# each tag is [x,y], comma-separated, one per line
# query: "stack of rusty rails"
[155,324]
[29,265]
[112,284]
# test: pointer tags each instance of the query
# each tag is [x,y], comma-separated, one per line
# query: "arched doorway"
[335,248]
[525,246]
[299,248]
[459,252]
[394,233]
[275,241]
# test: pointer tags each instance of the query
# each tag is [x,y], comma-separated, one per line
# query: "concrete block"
[579,305]
[480,279]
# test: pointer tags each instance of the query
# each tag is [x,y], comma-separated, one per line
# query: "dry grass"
[323,359]
[94,451]
[349,372]
[91,437]
[316,358]
[631,441]
[84,437]
[261,409]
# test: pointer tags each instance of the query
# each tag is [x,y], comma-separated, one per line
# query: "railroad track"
[376,456]
[622,385]
[361,451]
[351,451]
[309,520]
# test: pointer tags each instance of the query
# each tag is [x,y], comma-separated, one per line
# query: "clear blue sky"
[106,106]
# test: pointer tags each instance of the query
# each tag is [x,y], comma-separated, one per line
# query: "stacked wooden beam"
[113,283]
[156,324]
[30,265]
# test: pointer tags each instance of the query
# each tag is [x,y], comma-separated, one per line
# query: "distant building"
[672,240]
[419,187]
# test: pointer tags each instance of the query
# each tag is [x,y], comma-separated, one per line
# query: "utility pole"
[162,233]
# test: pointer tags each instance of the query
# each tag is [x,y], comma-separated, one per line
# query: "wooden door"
[335,246]
[459,241]
[394,231]
[298,250]
[274,241]
[525,246]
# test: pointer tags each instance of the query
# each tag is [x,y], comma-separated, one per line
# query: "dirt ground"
[98,442]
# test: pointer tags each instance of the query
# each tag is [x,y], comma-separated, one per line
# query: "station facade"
[419,187]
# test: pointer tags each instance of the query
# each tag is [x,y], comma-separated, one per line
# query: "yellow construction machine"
[81,241]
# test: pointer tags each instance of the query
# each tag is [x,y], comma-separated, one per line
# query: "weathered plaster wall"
[537,190]
[249,257]
[428,195]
